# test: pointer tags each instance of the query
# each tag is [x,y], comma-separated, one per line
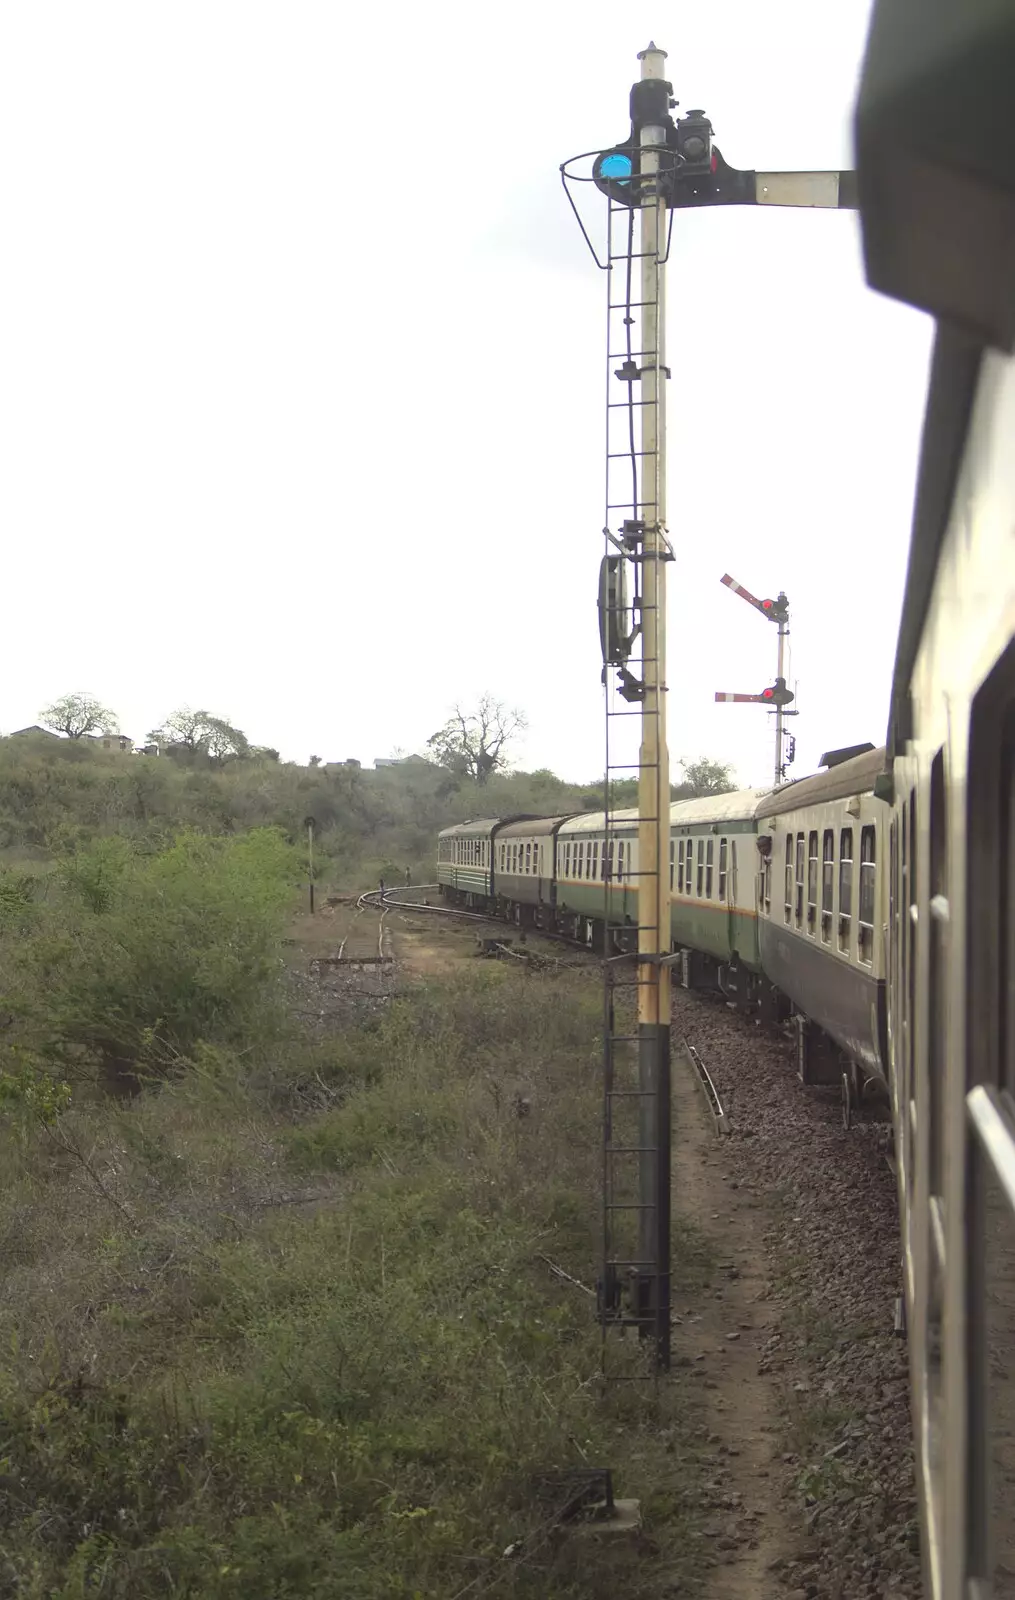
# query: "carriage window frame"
[937,955]
[680,866]
[673,860]
[709,863]
[812,882]
[723,869]
[787,880]
[845,889]
[798,906]
[700,864]
[866,898]
[827,884]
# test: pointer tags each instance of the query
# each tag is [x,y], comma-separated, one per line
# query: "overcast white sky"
[301,373]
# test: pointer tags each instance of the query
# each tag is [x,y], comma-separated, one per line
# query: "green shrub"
[143,957]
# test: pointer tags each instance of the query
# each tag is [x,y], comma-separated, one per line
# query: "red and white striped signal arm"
[764,606]
[744,699]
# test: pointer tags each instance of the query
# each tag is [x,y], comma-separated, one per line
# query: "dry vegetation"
[279,1325]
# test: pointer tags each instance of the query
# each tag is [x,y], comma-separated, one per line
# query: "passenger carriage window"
[845,887]
[733,872]
[723,849]
[528,856]
[701,868]
[799,879]
[827,883]
[709,848]
[812,881]
[595,860]
[866,897]
[788,879]
[620,860]
[680,866]
[673,852]
[608,849]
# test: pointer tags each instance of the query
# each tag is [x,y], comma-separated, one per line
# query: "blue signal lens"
[616,166]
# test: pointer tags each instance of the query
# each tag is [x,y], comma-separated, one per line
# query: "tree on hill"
[78,714]
[199,733]
[473,743]
[184,727]
[705,777]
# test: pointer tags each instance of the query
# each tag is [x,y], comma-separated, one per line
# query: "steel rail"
[708,1088]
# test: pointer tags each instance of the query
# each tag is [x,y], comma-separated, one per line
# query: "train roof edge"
[937,200]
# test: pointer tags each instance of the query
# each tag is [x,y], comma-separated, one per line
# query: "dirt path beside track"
[722,1333]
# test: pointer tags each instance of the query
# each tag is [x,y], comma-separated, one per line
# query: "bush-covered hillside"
[57,795]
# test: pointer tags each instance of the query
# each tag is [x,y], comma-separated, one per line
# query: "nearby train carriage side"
[822,844]
[952,968]
[937,224]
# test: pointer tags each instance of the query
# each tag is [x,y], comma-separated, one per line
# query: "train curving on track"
[875,902]
[778,900]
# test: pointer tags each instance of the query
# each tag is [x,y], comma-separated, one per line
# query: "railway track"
[708,1088]
[363,945]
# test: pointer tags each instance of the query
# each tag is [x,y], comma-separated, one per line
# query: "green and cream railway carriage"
[713,888]
[823,903]
[525,874]
[585,858]
[465,860]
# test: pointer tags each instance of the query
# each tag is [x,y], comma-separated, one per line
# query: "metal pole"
[654,775]
[778,711]
[780,673]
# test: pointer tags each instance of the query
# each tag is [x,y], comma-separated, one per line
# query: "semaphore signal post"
[776,697]
[665,164]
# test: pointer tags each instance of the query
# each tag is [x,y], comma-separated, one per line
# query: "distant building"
[117,742]
[35,728]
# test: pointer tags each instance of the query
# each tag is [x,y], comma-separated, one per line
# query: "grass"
[282,1327]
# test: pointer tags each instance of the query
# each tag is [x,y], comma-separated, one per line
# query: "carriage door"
[728,870]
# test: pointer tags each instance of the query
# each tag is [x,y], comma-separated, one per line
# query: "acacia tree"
[473,742]
[78,714]
[198,732]
[706,777]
